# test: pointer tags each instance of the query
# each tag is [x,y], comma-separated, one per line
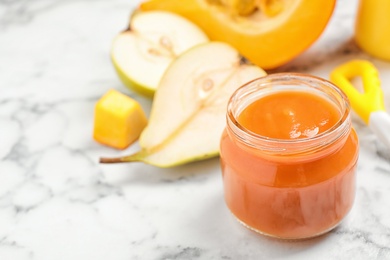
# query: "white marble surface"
[57,202]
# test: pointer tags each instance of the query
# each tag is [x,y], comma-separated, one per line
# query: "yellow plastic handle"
[371,99]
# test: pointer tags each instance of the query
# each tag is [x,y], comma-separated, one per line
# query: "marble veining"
[57,202]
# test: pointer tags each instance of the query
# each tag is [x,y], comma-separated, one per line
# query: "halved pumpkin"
[269,33]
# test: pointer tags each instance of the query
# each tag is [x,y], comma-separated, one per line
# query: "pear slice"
[188,112]
[142,53]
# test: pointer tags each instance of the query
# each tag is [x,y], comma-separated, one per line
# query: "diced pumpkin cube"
[119,120]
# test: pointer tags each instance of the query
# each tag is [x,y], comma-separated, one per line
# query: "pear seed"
[207,84]
[166,42]
[153,51]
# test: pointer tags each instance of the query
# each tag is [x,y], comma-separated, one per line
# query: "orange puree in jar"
[289,115]
[288,156]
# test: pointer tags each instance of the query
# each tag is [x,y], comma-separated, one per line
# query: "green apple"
[189,108]
[142,53]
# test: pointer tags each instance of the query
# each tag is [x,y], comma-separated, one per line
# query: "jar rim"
[340,129]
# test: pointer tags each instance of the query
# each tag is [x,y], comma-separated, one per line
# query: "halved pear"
[189,108]
[142,53]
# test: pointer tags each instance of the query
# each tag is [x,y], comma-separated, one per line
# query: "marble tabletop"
[58,202]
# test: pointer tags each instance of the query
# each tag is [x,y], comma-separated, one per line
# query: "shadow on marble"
[140,173]
[315,57]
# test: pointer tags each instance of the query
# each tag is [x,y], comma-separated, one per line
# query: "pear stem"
[111,160]
[125,159]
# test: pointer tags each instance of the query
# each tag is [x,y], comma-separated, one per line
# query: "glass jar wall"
[295,185]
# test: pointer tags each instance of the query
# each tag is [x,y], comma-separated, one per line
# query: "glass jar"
[289,188]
